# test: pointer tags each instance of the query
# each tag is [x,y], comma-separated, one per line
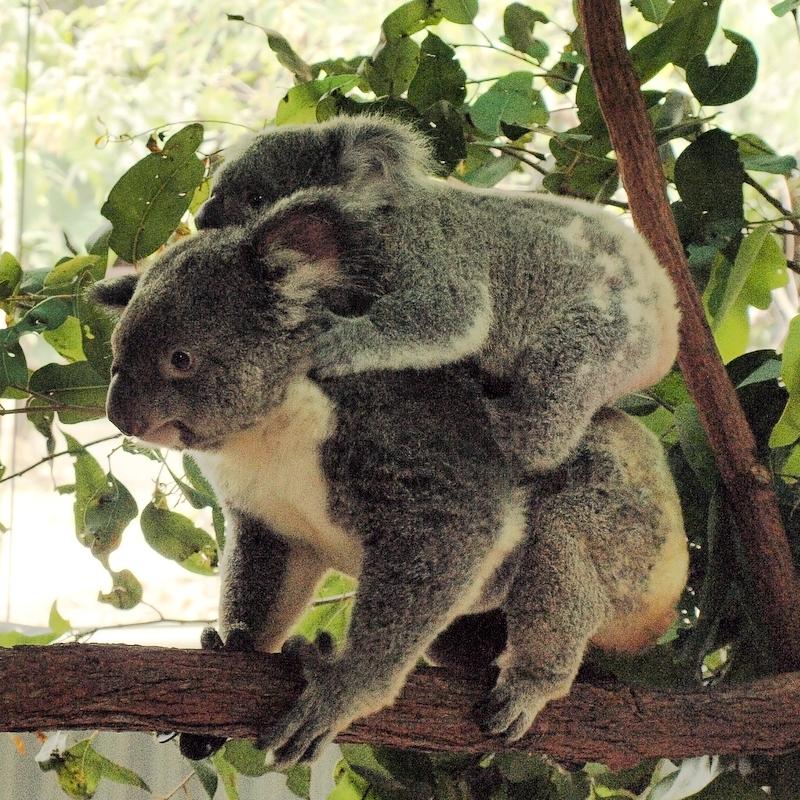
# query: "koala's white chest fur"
[272,471]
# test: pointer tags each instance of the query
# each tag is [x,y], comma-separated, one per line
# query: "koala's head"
[375,156]
[212,333]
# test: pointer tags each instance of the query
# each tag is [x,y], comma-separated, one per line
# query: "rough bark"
[747,481]
[120,687]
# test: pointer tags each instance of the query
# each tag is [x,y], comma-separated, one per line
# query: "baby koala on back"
[564,306]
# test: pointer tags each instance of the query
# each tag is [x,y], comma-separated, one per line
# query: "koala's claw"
[509,711]
[210,639]
[311,655]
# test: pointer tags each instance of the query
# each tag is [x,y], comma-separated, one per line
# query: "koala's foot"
[197,745]
[514,703]
[531,441]
[320,712]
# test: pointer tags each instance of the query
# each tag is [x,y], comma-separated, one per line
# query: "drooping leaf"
[298,781]
[76,386]
[709,176]
[126,591]
[758,156]
[48,315]
[686,31]
[784,7]
[561,76]
[694,443]
[13,367]
[519,22]
[207,777]
[68,273]
[459,11]
[438,77]
[245,757]
[483,169]
[174,536]
[652,10]
[147,202]
[410,18]
[299,105]
[393,67]
[67,339]
[227,775]
[512,100]
[787,429]
[286,55]
[724,83]
[10,275]
[98,242]
[447,134]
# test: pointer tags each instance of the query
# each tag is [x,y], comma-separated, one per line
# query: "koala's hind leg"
[577,365]
[553,608]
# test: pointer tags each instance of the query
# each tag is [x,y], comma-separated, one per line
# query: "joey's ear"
[312,230]
[113,293]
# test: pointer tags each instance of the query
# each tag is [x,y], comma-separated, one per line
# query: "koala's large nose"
[122,407]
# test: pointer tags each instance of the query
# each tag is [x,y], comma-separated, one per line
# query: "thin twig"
[181,785]
[774,202]
[56,455]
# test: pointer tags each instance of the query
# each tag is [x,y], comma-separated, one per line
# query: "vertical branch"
[747,482]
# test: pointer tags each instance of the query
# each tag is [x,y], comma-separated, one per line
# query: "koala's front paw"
[195,746]
[319,713]
[513,705]
[344,348]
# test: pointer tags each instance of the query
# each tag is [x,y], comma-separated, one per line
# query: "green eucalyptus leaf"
[459,11]
[561,76]
[299,105]
[33,280]
[227,775]
[76,386]
[724,83]
[207,777]
[66,340]
[447,134]
[174,536]
[48,315]
[652,10]
[512,100]
[147,202]
[694,444]
[126,591]
[245,757]
[438,77]
[410,18]
[97,325]
[69,272]
[709,176]
[10,275]
[98,243]
[13,367]
[787,429]
[106,509]
[333,616]
[391,71]
[286,55]
[519,22]
[298,781]
[685,32]
[483,169]
[784,7]
[758,156]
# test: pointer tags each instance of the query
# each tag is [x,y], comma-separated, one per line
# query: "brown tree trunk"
[747,482]
[121,687]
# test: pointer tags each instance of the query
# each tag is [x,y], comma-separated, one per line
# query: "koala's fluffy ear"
[113,293]
[311,229]
[378,150]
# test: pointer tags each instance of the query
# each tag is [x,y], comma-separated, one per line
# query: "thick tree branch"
[748,484]
[120,687]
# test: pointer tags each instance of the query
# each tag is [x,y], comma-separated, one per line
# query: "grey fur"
[565,306]
[419,503]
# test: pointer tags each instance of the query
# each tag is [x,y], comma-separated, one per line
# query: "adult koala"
[393,477]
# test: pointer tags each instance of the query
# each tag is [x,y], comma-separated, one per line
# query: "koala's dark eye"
[181,360]
[254,199]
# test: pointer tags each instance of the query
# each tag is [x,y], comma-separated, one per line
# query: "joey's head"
[371,155]
[210,336]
